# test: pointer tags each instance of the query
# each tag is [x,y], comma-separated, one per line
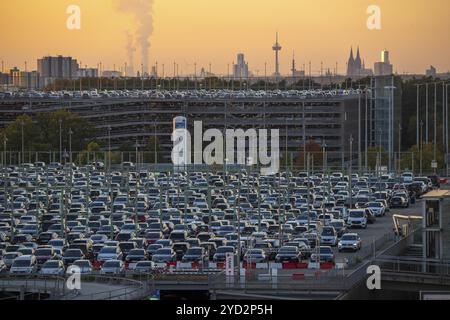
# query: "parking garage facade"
[327,121]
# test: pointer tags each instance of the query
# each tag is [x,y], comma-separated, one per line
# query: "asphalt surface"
[381,227]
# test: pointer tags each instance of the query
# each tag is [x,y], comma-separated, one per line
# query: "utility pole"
[60,140]
[350,171]
[399,147]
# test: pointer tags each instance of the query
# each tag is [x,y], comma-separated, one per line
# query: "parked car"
[349,241]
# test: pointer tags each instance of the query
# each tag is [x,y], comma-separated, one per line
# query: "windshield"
[43,252]
[112,264]
[288,250]
[21,263]
[357,214]
[108,250]
[325,250]
[196,251]
[348,237]
[225,249]
[51,264]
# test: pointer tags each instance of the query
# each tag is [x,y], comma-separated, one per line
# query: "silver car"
[53,267]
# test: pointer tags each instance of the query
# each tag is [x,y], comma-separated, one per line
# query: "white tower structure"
[277,47]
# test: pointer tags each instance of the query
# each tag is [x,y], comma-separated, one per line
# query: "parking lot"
[126,219]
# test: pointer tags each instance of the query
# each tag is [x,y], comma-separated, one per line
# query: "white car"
[377,207]
[349,241]
[24,265]
[357,219]
[407,177]
[53,267]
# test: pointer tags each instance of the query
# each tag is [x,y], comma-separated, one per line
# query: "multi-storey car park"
[326,117]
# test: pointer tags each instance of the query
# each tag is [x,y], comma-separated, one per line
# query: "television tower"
[276,47]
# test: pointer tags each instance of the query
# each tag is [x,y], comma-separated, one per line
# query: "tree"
[316,154]
[427,158]
[373,154]
[153,150]
[13,133]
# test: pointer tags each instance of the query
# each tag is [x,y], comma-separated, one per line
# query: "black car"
[288,254]
[399,202]
[71,255]
[43,255]
[194,254]
[180,249]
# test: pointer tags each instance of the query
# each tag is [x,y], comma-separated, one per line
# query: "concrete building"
[384,67]
[329,120]
[54,68]
[431,72]
[30,80]
[14,77]
[87,73]
[436,226]
[111,74]
[240,69]
[385,114]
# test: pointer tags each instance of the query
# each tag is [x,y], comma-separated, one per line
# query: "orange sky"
[416,32]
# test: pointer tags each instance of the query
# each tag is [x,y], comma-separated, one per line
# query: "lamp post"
[421,145]
[70,144]
[109,148]
[391,122]
[5,140]
[350,171]
[22,123]
[60,140]
[399,147]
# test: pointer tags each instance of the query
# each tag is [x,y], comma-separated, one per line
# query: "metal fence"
[289,161]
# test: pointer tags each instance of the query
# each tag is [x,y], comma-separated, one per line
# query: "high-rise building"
[59,67]
[14,77]
[240,69]
[384,67]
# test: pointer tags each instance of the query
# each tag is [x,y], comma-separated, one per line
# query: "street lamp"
[22,123]
[421,145]
[60,140]
[350,171]
[391,122]
[109,148]
[70,144]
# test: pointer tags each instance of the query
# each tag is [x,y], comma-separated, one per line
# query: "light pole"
[435,124]
[391,122]
[399,147]
[60,140]
[109,148]
[22,158]
[5,140]
[70,144]
[239,225]
[350,171]
[417,115]
[446,130]
[359,131]
[421,145]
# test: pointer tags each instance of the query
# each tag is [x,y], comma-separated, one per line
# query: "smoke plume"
[141,11]
[130,54]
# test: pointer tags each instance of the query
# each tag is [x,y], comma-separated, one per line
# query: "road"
[382,226]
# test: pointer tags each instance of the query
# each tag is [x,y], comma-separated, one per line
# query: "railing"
[30,284]
[414,266]
[56,287]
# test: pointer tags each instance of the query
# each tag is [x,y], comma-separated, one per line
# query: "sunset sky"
[416,32]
